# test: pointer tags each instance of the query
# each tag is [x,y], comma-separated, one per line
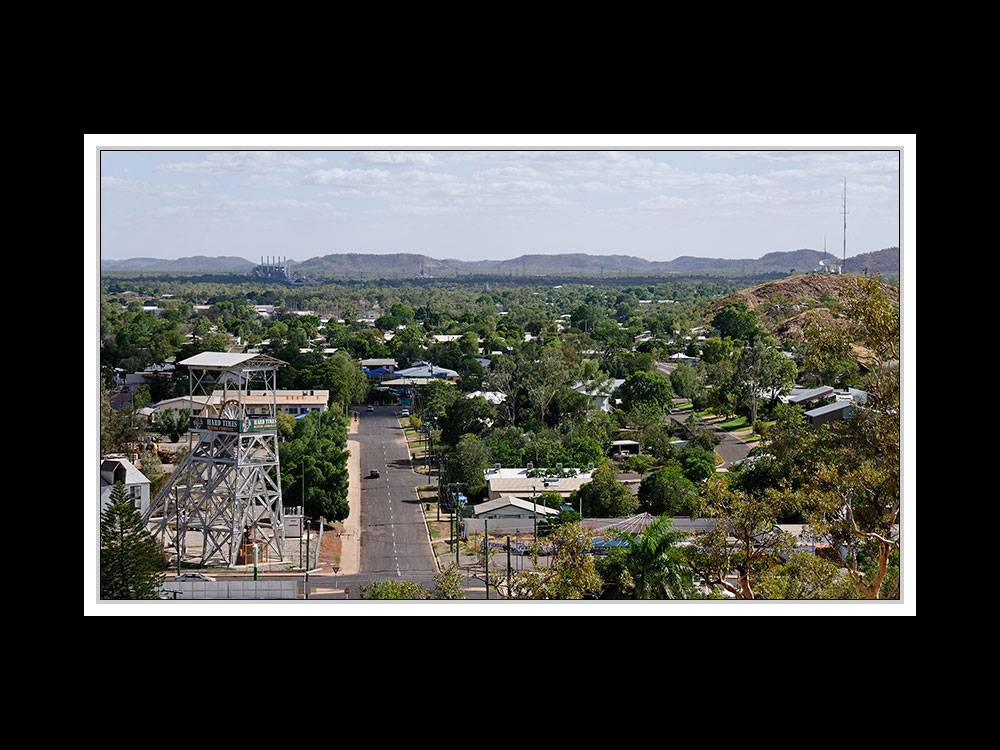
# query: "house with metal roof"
[806,397]
[387,364]
[512,507]
[115,470]
[830,413]
[494,397]
[427,370]
[599,392]
[523,482]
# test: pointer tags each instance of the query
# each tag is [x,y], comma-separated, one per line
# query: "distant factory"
[272,268]
[276,269]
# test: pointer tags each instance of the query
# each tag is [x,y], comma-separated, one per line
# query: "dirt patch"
[331,548]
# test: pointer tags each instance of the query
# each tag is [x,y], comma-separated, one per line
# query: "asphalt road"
[393,533]
[731,448]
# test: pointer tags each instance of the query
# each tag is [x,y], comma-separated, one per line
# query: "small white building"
[683,359]
[625,448]
[494,397]
[510,506]
[506,515]
[115,470]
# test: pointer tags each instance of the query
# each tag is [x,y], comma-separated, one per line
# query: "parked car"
[193,577]
[371,408]
[373,474]
[406,412]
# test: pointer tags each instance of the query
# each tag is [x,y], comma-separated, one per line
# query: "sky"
[494,198]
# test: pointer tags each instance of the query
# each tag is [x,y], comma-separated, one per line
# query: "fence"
[262,589]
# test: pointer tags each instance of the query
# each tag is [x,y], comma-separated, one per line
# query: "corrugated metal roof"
[835,406]
[227,360]
[798,394]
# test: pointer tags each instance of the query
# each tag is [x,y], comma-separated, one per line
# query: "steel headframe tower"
[227,490]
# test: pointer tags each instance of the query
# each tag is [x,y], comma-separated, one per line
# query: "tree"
[393,589]
[435,397]
[465,416]
[667,492]
[737,322]
[807,576]
[716,349]
[448,583]
[604,496]
[697,462]
[572,575]
[746,539]
[131,559]
[640,463]
[685,381]
[849,470]
[314,466]
[467,463]
[340,375]
[762,371]
[650,388]
[506,377]
[545,375]
[118,428]
[167,425]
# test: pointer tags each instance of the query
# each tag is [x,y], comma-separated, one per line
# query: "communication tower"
[844,212]
[226,494]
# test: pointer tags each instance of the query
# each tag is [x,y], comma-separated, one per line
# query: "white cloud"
[242,162]
[662,202]
[397,158]
[348,177]
[148,189]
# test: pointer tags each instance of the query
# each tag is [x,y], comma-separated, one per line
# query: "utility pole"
[508,566]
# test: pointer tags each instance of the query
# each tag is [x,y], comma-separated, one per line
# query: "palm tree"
[654,562]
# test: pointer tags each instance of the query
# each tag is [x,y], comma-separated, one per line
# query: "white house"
[114,470]
[494,397]
[512,507]
[427,370]
[506,515]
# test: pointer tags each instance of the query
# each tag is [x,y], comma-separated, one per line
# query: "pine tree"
[131,559]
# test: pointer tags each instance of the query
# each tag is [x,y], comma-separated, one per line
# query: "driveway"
[731,448]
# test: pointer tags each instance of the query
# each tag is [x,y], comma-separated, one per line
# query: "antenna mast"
[844,211]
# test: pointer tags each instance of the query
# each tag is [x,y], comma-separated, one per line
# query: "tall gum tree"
[853,500]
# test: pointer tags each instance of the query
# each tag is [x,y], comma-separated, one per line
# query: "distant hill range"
[410,265]
[195,264]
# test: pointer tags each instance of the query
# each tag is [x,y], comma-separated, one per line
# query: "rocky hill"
[781,305]
[885,262]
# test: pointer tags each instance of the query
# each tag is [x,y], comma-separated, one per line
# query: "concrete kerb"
[420,504]
[350,541]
